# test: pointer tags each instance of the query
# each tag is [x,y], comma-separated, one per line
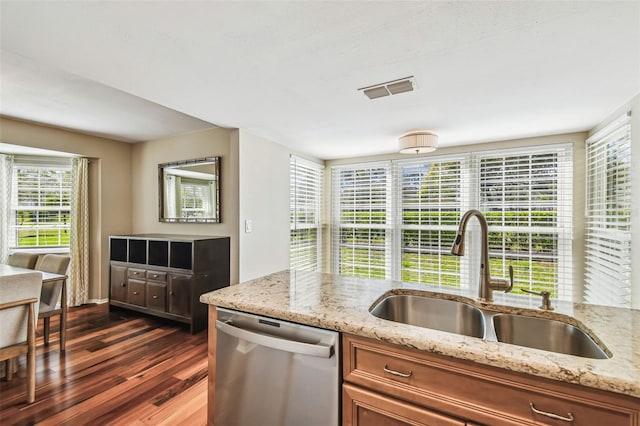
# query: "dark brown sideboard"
[165,274]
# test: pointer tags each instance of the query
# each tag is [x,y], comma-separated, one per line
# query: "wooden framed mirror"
[189,191]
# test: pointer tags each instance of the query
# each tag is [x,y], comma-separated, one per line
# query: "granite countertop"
[342,303]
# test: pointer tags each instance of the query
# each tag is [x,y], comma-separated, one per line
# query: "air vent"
[392,87]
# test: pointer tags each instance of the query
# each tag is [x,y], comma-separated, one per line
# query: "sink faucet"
[487,284]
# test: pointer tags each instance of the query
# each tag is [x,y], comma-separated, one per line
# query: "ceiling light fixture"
[393,87]
[418,142]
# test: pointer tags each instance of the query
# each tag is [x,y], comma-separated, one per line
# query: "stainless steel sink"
[463,318]
[546,334]
[439,314]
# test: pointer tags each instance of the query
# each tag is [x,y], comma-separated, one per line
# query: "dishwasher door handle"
[282,344]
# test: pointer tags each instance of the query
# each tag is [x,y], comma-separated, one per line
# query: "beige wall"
[145,158]
[109,186]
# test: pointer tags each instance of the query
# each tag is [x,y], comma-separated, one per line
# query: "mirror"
[189,191]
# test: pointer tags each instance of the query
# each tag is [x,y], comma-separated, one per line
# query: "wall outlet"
[248,226]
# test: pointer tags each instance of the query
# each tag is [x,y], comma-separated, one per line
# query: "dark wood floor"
[120,367]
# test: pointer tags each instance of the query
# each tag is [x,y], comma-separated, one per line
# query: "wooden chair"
[51,292]
[19,298]
[23,260]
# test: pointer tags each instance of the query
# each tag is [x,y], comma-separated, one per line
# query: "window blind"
[608,215]
[526,197]
[40,202]
[362,220]
[398,219]
[431,201]
[305,214]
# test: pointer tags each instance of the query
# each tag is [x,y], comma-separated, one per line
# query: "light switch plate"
[248,225]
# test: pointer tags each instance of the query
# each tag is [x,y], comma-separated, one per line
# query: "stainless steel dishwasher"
[275,373]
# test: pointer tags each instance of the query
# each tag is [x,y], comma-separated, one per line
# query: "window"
[305,214]
[40,202]
[398,219]
[195,197]
[362,219]
[608,216]
[431,204]
[526,198]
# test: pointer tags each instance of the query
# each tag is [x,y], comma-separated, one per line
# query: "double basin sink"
[460,317]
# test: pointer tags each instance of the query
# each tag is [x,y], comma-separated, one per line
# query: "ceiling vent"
[392,87]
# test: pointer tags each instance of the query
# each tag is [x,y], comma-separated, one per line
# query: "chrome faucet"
[487,284]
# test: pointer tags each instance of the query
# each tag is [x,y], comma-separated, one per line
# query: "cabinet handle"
[569,417]
[154,296]
[135,293]
[135,273]
[171,293]
[397,373]
[123,284]
[155,275]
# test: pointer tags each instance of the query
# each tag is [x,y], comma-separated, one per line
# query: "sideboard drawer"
[136,273]
[157,276]
[137,292]
[156,296]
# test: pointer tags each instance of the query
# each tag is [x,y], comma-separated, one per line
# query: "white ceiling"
[288,71]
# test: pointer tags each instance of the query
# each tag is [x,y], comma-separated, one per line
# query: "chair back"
[56,264]
[23,260]
[14,320]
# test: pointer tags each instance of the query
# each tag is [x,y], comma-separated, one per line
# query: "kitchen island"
[342,304]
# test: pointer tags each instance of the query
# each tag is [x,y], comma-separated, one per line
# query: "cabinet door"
[156,296]
[362,407]
[118,283]
[137,292]
[180,294]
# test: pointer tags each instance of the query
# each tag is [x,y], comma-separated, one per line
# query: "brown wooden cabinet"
[164,275]
[413,380]
[362,407]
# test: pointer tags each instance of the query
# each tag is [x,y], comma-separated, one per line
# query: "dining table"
[8,270]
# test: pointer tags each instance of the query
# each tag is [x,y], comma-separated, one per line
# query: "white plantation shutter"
[40,202]
[362,220]
[608,215]
[526,197]
[305,214]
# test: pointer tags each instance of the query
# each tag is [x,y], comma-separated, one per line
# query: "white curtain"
[6,172]
[79,237]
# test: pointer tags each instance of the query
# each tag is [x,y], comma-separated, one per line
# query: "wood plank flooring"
[119,368]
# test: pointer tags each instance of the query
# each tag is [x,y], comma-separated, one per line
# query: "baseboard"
[97,301]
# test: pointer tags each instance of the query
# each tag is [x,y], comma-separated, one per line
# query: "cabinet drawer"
[361,407]
[137,292]
[136,273]
[156,296]
[157,276]
[475,393]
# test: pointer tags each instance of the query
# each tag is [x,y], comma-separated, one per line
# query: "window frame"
[305,214]
[469,197]
[40,164]
[608,234]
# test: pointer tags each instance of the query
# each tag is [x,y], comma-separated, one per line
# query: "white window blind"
[40,202]
[362,220]
[526,197]
[305,214]
[608,215]
[398,219]
[431,202]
